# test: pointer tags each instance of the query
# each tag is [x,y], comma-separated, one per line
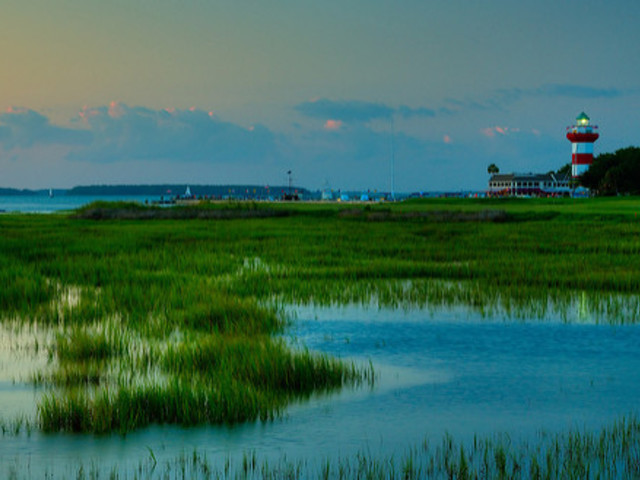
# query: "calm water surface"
[45,204]
[447,371]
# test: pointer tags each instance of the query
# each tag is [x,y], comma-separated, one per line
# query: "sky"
[414,95]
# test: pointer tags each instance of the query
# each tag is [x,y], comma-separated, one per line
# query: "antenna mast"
[393,179]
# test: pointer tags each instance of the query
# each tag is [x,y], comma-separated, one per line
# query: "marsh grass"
[209,380]
[608,453]
[131,301]
[101,210]
[83,343]
[263,363]
[112,377]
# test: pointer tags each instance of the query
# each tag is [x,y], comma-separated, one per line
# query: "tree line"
[616,173]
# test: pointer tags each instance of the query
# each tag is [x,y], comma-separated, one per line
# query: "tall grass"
[610,453]
[208,291]
[203,379]
[263,363]
[127,408]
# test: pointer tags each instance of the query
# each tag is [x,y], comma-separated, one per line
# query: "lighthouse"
[582,135]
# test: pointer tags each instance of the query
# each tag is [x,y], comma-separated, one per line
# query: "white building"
[530,184]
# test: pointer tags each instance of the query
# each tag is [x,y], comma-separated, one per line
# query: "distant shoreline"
[168,190]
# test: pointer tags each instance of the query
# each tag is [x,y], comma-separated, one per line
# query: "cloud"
[415,112]
[118,132]
[577,91]
[348,111]
[498,130]
[491,132]
[354,111]
[504,97]
[121,132]
[25,128]
[359,157]
[501,99]
[333,125]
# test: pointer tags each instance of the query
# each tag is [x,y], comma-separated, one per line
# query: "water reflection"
[485,301]
[23,353]
[469,302]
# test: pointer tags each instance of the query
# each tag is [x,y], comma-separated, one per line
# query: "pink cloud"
[17,110]
[86,113]
[488,132]
[491,132]
[333,124]
[116,109]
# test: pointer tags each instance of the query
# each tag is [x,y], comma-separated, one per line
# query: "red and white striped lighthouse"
[582,135]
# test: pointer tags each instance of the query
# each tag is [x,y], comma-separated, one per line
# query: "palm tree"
[493,169]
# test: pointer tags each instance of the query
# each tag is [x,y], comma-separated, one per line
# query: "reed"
[179,401]
[610,452]
[209,380]
[204,297]
[265,364]
[81,344]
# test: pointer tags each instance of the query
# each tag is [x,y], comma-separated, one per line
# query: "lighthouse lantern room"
[582,136]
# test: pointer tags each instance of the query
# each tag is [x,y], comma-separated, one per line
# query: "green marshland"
[174,316]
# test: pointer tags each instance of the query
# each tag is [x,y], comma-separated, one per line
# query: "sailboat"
[188,198]
[50,193]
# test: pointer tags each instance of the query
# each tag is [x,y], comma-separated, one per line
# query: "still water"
[439,371]
[46,204]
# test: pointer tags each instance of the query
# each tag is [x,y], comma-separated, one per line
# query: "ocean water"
[439,372]
[46,204]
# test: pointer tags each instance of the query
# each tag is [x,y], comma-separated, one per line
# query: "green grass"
[187,379]
[142,306]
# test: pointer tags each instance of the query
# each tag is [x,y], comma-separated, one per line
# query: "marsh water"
[440,371]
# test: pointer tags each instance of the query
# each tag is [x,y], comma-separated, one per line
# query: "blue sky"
[215,92]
